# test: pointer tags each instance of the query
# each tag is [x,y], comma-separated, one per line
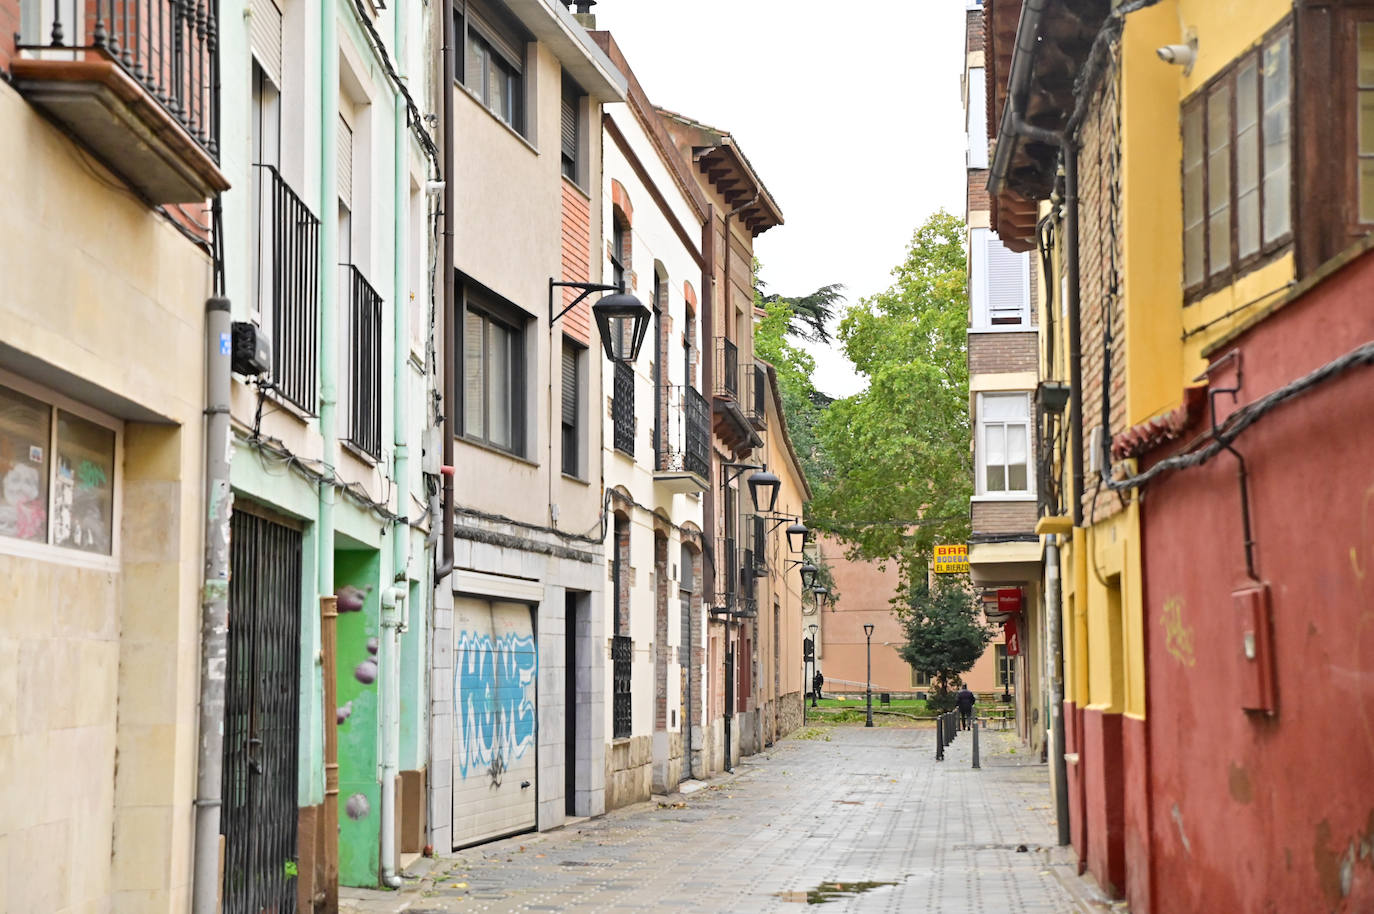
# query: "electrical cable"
[414,120]
[1237,309]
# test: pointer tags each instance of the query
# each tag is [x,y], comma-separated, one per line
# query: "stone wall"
[629,771]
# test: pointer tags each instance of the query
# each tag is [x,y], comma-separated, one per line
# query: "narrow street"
[858,819]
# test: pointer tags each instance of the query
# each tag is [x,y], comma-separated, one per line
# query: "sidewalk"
[862,819]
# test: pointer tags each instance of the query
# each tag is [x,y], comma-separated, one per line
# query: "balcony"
[132,81]
[363,354]
[732,422]
[755,400]
[623,409]
[683,461]
[286,262]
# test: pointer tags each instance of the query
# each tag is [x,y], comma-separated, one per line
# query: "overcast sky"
[849,110]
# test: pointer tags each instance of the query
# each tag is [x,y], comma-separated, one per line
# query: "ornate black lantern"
[764,485]
[624,322]
[822,595]
[808,576]
[796,536]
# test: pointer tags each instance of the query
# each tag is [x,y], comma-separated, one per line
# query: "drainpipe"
[1075,327]
[329,290]
[1053,609]
[450,390]
[388,650]
[214,633]
[708,378]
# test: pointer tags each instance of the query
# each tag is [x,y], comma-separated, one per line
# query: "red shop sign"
[1009,600]
[1012,637]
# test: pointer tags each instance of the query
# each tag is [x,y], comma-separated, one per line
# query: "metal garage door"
[495,714]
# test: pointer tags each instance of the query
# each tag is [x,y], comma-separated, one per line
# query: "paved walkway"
[867,810]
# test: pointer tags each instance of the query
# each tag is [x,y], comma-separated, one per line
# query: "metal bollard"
[939,738]
[975,741]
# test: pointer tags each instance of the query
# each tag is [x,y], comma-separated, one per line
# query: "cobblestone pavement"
[844,805]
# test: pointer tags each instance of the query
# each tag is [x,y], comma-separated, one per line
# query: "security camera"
[1182,55]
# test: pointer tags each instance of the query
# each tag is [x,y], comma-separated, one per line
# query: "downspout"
[448,426]
[329,285]
[708,378]
[1070,149]
[214,634]
[388,649]
[1059,768]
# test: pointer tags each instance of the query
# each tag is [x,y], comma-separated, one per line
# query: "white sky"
[850,110]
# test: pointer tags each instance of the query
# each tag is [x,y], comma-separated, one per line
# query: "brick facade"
[9,27]
[1099,169]
[1000,352]
[1004,516]
[978,199]
[973,28]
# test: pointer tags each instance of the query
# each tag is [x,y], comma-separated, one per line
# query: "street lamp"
[764,485]
[796,536]
[812,628]
[808,576]
[622,319]
[868,636]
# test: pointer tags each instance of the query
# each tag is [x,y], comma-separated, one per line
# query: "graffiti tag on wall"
[1178,638]
[493,701]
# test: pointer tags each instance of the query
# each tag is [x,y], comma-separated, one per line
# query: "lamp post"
[868,637]
[812,628]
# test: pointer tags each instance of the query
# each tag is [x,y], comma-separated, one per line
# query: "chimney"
[584,15]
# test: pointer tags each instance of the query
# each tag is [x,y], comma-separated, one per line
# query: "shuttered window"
[345,154]
[572,385]
[494,60]
[977,119]
[999,283]
[264,33]
[572,130]
[493,372]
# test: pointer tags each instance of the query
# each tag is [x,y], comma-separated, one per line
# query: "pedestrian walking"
[965,700]
[817,682]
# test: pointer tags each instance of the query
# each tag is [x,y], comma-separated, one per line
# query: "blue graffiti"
[493,700]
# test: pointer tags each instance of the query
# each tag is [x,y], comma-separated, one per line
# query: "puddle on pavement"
[832,891]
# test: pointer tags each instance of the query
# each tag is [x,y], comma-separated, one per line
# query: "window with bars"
[1004,444]
[622,653]
[623,408]
[1237,167]
[620,237]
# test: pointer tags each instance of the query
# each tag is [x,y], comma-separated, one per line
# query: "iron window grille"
[288,291]
[168,47]
[622,652]
[623,408]
[759,529]
[365,355]
[727,370]
[687,433]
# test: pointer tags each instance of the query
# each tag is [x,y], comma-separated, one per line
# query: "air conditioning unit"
[252,354]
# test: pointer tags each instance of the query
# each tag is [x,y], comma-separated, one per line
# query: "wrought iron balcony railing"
[286,261]
[134,80]
[685,433]
[623,408]
[756,404]
[727,370]
[364,357]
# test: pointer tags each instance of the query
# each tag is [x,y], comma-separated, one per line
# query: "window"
[493,373]
[572,408]
[493,61]
[1004,443]
[977,119]
[919,680]
[57,474]
[1237,136]
[1365,130]
[1006,668]
[572,130]
[620,236]
[999,287]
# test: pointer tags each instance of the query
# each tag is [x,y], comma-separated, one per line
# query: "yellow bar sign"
[951,559]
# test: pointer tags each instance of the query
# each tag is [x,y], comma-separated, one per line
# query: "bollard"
[939,738]
[975,742]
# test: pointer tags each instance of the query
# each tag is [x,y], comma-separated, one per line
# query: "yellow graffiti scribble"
[1178,637]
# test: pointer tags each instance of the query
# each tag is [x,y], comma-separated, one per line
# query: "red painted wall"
[1073,745]
[1249,812]
[1136,824]
[1105,801]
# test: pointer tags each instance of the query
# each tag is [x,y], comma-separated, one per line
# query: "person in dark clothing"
[817,682]
[965,700]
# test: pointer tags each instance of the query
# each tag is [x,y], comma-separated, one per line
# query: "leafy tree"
[802,404]
[901,466]
[945,635]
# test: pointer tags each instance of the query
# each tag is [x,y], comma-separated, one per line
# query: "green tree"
[901,466]
[802,404]
[945,635]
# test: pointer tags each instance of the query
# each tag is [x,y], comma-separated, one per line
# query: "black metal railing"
[365,359]
[731,570]
[686,433]
[756,402]
[759,530]
[287,258]
[623,408]
[169,47]
[622,653]
[727,370]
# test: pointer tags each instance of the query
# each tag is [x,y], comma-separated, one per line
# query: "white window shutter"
[345,150]
[264,33]
[977,119]
[978,275]
[1008,290]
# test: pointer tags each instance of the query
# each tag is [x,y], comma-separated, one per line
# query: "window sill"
[483,446]
[58,555]
[358,453]
[577,187]
[1006,328]
[577,479]
[492,114]
[1004,496]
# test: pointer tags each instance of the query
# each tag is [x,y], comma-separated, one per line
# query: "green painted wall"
[359,793]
